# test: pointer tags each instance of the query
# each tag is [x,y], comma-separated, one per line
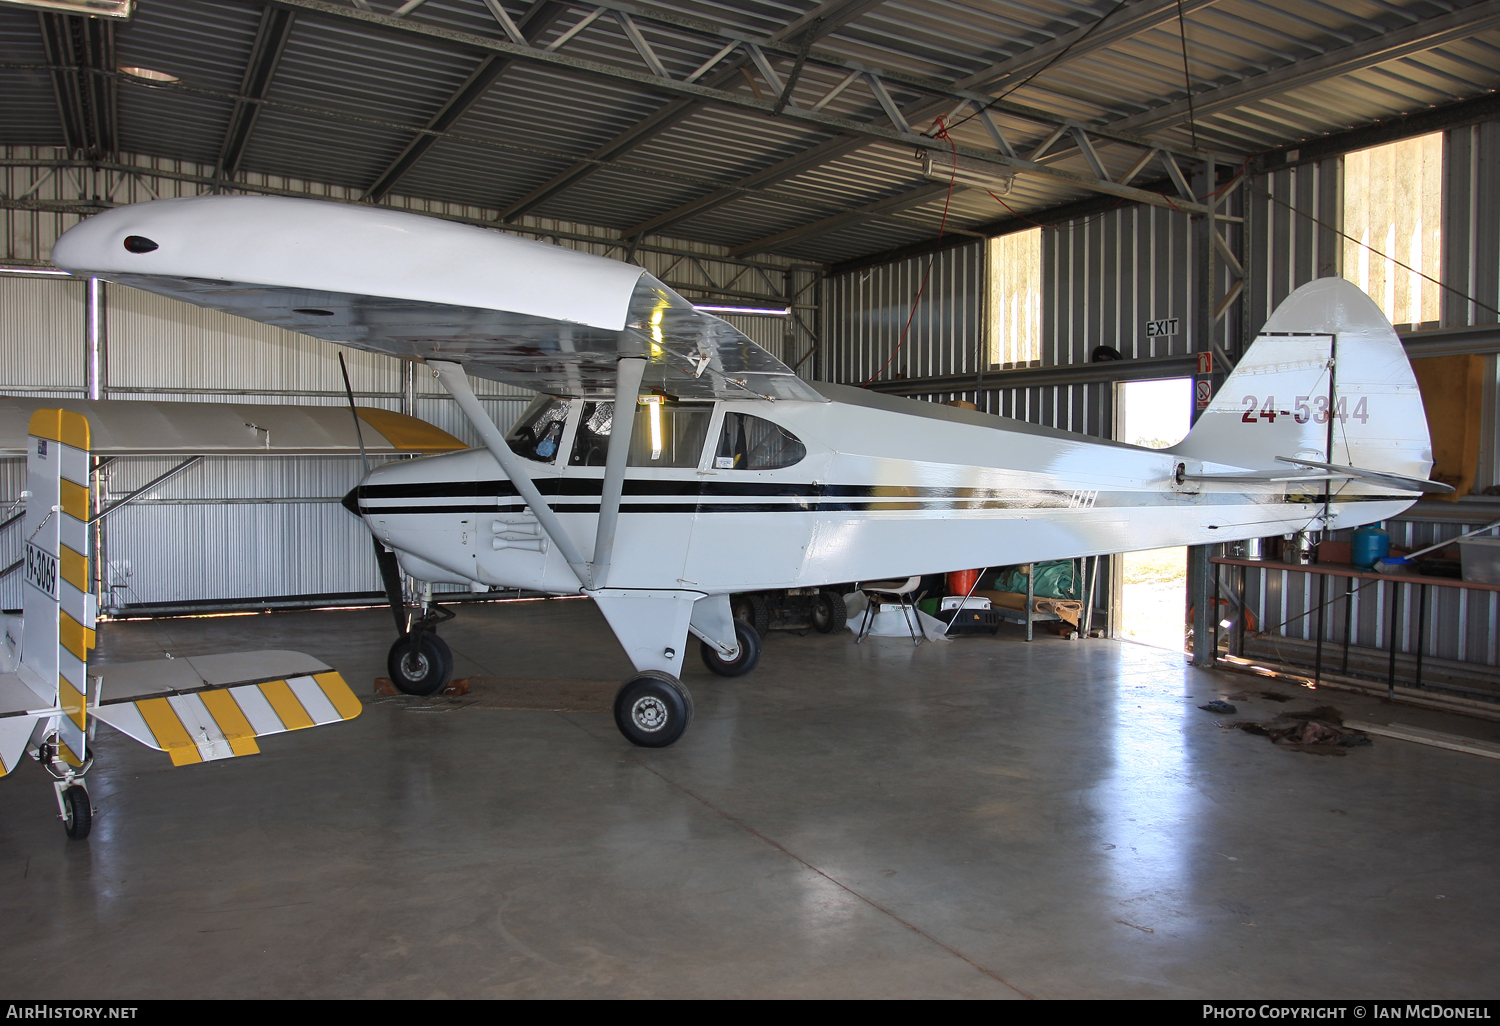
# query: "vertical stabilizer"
[59,609]
[1327,380]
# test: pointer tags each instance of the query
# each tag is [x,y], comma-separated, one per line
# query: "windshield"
[539,431]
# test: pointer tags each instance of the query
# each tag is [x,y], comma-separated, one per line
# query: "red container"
[961,582]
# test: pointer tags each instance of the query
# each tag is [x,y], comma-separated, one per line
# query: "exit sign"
[1155,329]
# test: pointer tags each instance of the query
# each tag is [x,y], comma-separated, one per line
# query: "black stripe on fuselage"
[593,486]
[1051,501]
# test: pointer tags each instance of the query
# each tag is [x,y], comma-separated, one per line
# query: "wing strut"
[628,374]
[457,383]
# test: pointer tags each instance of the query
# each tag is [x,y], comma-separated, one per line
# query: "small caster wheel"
[741,664]
[652,709]
[829,614]
[754,610]
[420,668]
[78,814]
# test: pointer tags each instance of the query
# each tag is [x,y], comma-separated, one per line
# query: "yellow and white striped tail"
[59,607]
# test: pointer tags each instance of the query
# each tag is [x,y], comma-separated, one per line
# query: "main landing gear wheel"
[420,664]
[829,614]
[652,709]
[741,664]
[78,814]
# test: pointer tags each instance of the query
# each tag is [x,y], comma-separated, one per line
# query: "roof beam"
[77,49]
[1140,17]
[1416,38]
[873,130]
[828,17]
[1388,46]
[541,16]
[265,55]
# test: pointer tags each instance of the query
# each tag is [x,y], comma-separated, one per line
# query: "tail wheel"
[754,610]
[741,664]
[78,814]
[829,614]
[420,664]
[652,709]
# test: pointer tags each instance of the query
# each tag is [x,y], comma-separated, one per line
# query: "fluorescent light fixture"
[762,311]
[148,74]
[978,174]
[653,403]
[91,8]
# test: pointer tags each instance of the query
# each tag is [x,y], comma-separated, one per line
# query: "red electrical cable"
[942,133]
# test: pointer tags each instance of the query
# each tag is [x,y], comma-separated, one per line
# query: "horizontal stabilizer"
[1401,481]
[214,707]
[15,731]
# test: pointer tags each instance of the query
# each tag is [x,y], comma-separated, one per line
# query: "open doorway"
[1151,600]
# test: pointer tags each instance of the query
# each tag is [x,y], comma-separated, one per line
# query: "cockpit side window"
[750,443]
[667,434]
[538,433]
[591,441]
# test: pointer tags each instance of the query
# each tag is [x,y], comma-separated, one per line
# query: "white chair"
[878,592]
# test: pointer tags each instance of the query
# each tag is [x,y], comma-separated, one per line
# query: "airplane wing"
[509,309]
[137,428]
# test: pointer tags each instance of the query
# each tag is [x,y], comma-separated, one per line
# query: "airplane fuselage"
[887,488]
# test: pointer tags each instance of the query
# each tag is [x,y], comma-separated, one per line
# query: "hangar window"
[666,434]
[1014,269]
[538,433]
[749,443]
[1393,206]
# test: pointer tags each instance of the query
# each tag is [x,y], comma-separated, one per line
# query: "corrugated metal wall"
[866,312]
[250,528]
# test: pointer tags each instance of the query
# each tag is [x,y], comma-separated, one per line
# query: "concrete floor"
[979,819]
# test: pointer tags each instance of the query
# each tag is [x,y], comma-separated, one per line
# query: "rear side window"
[750,443]
[539,432]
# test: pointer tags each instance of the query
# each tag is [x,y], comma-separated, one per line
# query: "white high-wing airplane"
[723,471]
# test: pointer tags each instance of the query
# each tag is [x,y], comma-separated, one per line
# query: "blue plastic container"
[1369,545]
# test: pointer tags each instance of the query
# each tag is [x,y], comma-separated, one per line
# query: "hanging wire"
[1337,231]
[917,299]
[1187,78]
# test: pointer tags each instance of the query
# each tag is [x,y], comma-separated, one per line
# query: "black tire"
[754,610]
[420,670]
[829,614]
[652,709]
[743,663]
[78,814]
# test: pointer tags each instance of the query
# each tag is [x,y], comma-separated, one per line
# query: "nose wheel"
[652,709]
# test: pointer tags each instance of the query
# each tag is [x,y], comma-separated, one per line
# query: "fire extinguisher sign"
[1203,393]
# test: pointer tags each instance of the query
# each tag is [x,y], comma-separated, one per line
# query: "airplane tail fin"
[58,607]
[1326,382]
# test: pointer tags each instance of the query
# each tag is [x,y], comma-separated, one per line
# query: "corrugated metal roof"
[349,97]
